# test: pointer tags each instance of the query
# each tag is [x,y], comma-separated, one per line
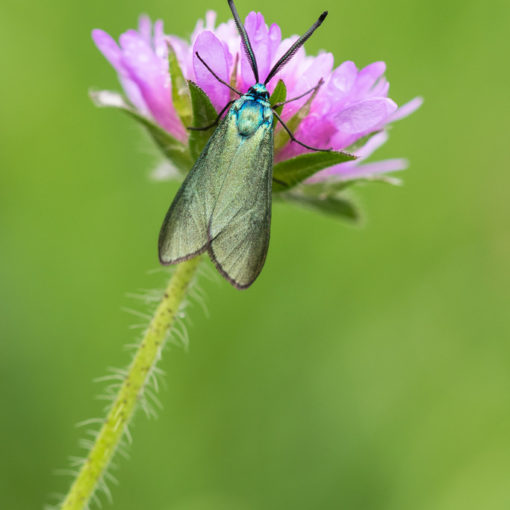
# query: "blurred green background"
[367,369]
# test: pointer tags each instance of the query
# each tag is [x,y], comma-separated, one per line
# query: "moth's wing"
[240,223]
[184,232]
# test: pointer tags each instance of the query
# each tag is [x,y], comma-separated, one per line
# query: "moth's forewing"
[241,220]
[184,231]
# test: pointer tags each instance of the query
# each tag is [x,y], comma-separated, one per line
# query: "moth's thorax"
[253,110]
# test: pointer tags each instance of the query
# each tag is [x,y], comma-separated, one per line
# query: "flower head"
[351,105]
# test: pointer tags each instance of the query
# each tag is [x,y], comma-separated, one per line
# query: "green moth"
[224,204]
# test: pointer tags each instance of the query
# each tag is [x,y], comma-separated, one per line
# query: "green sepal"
[204,114]
[279,95]
[180,91]
[334,205]
[290,172]
[172,148]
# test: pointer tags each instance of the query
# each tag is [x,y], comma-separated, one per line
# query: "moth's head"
[259,91]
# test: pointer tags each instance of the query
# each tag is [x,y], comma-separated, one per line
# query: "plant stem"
[131,389]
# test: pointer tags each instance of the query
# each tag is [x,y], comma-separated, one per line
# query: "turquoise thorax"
[252,110]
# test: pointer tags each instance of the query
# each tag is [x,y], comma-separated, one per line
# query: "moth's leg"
[313,90]
[293,138]
[205,128]
[216,76]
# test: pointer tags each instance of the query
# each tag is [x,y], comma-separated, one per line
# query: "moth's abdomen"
[251,115]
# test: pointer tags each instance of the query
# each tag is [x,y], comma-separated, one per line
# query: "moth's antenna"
[293,49]
[246,41]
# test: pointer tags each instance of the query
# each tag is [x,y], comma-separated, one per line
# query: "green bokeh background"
[367,369]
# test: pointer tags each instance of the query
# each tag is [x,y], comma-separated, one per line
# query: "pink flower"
[142,66]
[350,105]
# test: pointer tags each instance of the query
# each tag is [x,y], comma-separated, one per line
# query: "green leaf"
[334,205]
[279,95]
[290,172]
[172,148]
[180,91]
[204,114]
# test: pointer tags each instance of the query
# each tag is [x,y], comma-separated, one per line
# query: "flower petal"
[353,170]
[344,77]
[227,33]
[160,45]
[145,28]
[134,95]
[113,53]
[210,20]
[109,48]
[372,145]
[264,42]
[257,32]
[183,52]
[407,109]
[336,91]
[290,72]
[368,77]
[149,73]
[212,51]
[364,116]
[314,130]
[319,67]
[369,169]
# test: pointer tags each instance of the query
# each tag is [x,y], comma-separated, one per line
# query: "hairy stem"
[131,389]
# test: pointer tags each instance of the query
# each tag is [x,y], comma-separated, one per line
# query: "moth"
[224,204]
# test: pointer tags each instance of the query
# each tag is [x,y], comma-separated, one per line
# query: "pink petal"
[274,40]
[407,109]
[112,52]
[145,28]
[337,89]
[146,70]
[160,45]
[381,88]
[134,95]
[372,145]
[290,73]
[210,20]
[199,28]
[315,131]
[369,169]
[109,48]
[259,37]
[364,116]
[183,52]
[343,78]
[227,32]
[319,67]
[353,170]
[368,76]
[214,53]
